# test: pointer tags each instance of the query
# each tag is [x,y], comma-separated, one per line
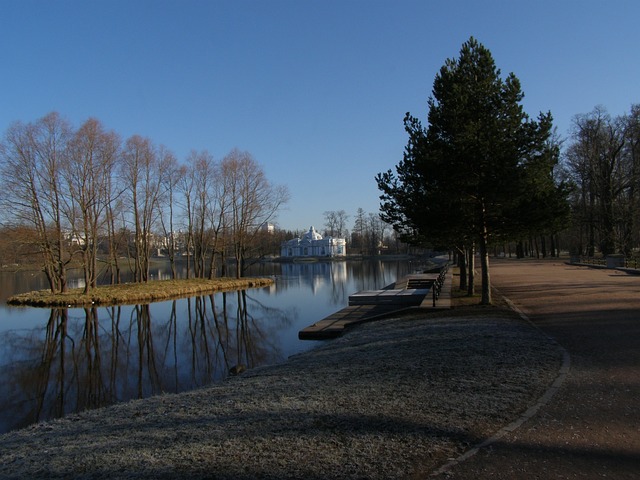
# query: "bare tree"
[32,156]
[360,229]
[600,170]
[330,222]
[202,201]
[186,187]
[173,174]
[341,223]
[336,223]
[253,201]
[91,160]
[142,180]
[218,220]
[375,232]
[117,237]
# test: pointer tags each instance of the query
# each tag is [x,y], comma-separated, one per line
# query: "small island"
[132,293]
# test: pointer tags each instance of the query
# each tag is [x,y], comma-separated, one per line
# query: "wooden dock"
[393,296]
[413,291]
[333,325]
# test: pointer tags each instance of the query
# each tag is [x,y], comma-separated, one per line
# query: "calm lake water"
[58,361]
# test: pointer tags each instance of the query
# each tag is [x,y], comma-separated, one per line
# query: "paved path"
[591,427]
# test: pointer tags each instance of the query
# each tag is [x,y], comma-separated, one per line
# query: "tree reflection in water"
[99,356]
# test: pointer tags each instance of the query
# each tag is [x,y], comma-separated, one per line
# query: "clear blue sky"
[315,90]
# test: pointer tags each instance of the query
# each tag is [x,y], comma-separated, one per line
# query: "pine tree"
[479,167]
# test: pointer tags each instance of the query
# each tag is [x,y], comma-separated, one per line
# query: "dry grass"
[130,293]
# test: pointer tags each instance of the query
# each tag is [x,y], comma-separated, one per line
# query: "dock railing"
[632,262]
[599,261]
[437,285]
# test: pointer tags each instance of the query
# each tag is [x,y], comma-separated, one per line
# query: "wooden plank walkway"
[413,291]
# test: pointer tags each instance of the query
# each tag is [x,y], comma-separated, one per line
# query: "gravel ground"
[394,398]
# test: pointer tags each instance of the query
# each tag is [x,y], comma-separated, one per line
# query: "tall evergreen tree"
[479,165]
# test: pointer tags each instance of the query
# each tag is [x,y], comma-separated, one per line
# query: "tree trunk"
[462,264]
[471,288]
[172,262]
[212,263]
[87,276]
[484,262]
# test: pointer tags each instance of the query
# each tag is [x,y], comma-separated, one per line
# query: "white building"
[268,227]
[313,245]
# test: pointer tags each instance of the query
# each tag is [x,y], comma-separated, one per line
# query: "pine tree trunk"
[462,264]
[471,253]
[484,262]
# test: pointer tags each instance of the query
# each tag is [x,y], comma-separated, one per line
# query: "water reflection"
[58,361]
[89,358]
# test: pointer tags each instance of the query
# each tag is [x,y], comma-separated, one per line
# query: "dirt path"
[591,427]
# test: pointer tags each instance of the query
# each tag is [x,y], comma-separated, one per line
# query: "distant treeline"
[602,163]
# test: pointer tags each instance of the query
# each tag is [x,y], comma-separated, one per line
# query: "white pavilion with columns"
[312,244]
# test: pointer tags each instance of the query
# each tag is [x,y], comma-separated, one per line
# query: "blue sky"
[315,90]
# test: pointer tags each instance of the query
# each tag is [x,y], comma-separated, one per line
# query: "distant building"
[268,227]
[312,244]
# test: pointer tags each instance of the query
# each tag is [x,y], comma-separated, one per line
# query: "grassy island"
[131,293]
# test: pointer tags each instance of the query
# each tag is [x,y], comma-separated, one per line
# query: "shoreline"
[393,398]
[133,293]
